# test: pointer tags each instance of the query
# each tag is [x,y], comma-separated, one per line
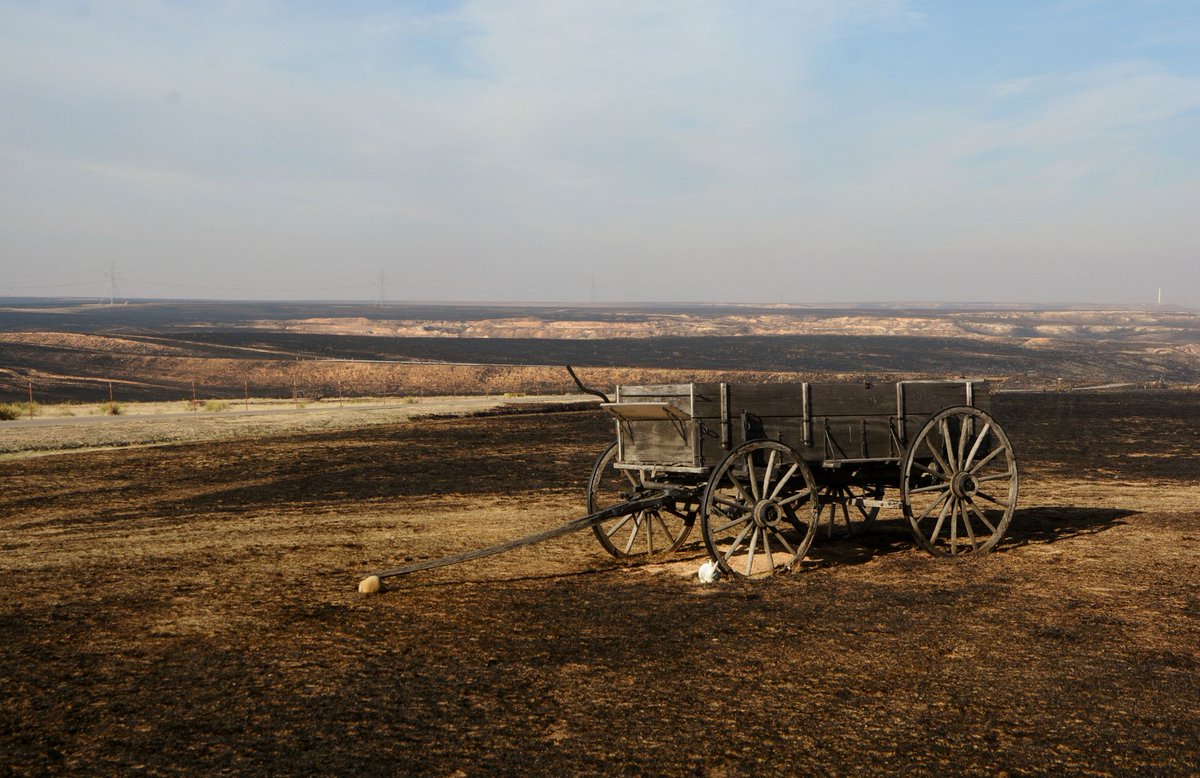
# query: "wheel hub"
[964,485]
[768,513]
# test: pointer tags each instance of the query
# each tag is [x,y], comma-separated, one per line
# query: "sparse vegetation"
[111,408]
[216,406]
[11,411]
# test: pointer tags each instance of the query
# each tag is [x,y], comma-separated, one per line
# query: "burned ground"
[192,608]
[65,351]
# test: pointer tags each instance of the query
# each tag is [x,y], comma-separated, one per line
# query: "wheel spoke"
[783,542]
[966,518]
[730,525]
[953,527]
[932,507]
[991,499]
[750,556]
[937,457]
[971,504]
[728,503]
[934,473]
[624,520]
[782,481]
[946,444]
[766,486]
[737,542]
[937,528]
[766,541]
[752,476]
[742,489]
[995,477]
[637,524]
[934,488]
[666,530]
[978,442]
[962,441]
[980,464]
[793,498]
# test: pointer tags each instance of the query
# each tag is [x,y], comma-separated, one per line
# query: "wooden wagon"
[764,467]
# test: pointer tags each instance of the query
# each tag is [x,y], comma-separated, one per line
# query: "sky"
[811,151]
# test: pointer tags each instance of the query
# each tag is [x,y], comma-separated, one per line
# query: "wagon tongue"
[659,500]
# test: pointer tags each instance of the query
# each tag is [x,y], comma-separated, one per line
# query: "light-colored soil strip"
[153,424]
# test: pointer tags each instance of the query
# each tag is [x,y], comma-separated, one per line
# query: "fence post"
[247,395]
[31,399]
[193,396]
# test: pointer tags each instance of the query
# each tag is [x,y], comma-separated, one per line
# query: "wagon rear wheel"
[759,515]
[840,507]
[641,535]
[959,483]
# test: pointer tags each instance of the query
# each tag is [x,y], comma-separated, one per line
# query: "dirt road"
[192,608]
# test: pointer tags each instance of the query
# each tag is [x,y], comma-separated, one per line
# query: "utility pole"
[382,289]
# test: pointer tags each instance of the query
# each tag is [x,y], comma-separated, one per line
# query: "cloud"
[523,144]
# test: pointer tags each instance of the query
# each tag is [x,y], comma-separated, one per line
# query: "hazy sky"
[806,151]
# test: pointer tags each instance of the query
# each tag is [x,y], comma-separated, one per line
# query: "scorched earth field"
[192,609]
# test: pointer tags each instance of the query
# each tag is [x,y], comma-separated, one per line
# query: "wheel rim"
[641,535]
[840,511]
[759,515]
[959,483]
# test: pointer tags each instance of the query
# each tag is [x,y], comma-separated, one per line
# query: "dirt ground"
[192,608]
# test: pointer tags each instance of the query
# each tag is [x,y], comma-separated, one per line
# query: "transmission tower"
[382,290]
[114,293]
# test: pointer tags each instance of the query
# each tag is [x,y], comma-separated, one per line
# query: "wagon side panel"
[663,441]
[917,401]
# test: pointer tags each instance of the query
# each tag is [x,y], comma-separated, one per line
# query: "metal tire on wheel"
[759,516]
[959,483]
[642,535]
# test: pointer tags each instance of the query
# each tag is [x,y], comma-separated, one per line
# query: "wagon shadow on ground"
[1051,523]
[1030,526]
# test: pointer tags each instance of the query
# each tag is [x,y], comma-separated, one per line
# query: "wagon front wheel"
[759,514]
[640,535]
[959,483]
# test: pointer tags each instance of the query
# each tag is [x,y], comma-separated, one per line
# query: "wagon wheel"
[839,504]
[759,515]
[641,535]
[959,484]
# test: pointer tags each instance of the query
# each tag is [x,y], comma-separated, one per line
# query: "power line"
[113,292]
